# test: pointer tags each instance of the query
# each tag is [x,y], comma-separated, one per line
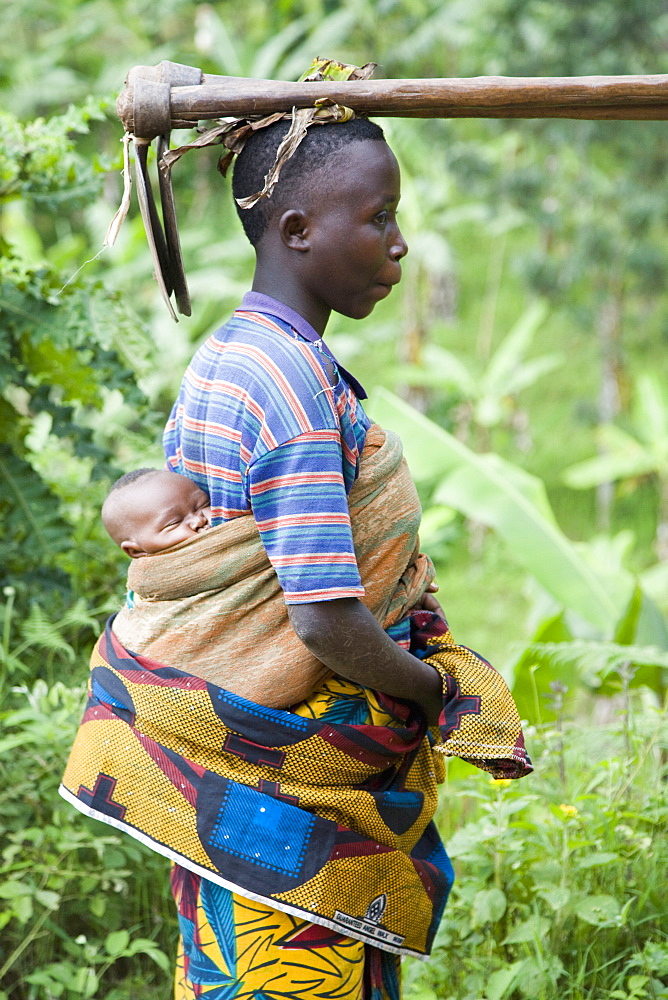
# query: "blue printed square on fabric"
[266,831]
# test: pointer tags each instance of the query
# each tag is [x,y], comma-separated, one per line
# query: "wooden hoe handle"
[158,99]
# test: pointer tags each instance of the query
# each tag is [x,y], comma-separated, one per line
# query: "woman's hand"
[429,603]
[346,637]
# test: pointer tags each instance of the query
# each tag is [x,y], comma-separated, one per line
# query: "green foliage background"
[523,359]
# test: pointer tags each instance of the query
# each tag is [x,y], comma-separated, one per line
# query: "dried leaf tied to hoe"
[233,134]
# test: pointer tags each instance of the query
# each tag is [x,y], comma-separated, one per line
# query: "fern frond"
[593,657]
[79,615]
[32,526]
[39,630]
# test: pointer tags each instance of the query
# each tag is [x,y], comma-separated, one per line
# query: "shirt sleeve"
[299,501]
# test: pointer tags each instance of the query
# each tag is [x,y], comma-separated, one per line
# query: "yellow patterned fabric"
[324,812]
[479,721]
[318,813]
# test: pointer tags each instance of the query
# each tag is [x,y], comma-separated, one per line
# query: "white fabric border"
[192,866]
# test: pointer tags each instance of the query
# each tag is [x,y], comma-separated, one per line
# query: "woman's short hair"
[297,174]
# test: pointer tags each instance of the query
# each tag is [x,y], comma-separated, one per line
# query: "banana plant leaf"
[624,458]
[530,679]
[513,503]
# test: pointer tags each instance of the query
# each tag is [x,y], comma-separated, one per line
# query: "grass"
[561,876]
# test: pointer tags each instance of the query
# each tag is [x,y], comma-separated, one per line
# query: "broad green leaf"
[530,682]
[501,981]
[597,661]
[49,899]
[600,911]
[645,626]
[538,976]
[509,500]
[434,527]
[266,59]
[494,469]
[530,371]
[46,979]
[533,929]
[628,624]
[13,889]
[145,946]
[652,628]
[489,905]
[85,982]
[11,742]
[509,355]
[652,414]
[654,582]
[625,458]
[331,31]
[116,942]
[23,908]
[556,897]
[602,656]
[440,368]
[594,860]
[65,367]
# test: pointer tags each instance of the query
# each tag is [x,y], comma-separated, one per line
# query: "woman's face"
[354,242]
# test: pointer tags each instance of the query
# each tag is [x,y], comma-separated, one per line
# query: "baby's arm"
[346,637]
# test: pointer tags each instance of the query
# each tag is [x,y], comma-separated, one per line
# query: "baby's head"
[149,510]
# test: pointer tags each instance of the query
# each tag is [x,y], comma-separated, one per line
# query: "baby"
[150,510]
[184,608]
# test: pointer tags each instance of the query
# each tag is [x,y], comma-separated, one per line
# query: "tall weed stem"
[10,594]
[626,674]
[558,691]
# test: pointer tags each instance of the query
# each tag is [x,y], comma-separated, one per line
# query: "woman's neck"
[284,288]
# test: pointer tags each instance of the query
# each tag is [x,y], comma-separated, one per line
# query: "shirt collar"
[258,302]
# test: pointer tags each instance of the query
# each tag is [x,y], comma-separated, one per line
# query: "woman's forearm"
[346,637]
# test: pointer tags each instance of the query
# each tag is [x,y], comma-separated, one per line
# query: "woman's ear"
[293,230]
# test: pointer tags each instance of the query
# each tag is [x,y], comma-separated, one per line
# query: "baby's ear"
[293,230]
[132,549]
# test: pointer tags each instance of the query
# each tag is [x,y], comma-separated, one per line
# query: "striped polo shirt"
[258,425]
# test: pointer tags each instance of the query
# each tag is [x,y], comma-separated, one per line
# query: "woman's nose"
[398,246]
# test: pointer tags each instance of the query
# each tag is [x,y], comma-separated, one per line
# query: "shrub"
[83,911]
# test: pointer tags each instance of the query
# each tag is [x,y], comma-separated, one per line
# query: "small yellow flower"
[500,782]
[569,811]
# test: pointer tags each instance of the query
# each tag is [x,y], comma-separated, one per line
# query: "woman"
[306,859]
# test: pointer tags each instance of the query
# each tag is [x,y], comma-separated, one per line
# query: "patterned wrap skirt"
[306,857]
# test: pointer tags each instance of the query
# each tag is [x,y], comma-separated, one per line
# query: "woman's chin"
[364,307]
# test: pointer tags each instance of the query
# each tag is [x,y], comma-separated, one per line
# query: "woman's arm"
[346,637]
